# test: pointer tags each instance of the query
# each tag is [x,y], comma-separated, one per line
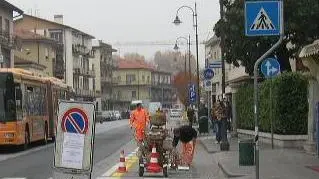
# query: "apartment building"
[138,80]
[234,76]
[7,40]
[103,65]
[37,53]
[73,58]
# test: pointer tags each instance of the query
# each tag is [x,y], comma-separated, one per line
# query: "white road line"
[115,167]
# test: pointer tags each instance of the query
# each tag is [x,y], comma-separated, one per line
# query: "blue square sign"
[262,18]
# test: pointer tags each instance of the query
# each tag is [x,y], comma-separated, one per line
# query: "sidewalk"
[277,163]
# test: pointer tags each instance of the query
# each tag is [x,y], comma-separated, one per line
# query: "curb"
[206,148]
[227,173]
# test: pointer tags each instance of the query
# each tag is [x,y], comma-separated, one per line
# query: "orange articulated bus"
[28,105]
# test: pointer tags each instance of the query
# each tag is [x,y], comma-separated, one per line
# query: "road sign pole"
[256,87]
[271,117]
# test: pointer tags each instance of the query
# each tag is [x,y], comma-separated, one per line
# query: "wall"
[68,57]
[33,56]
[96,62]
[7,14]
[139,73]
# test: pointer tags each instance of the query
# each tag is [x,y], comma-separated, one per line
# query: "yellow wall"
[126,90]
[45,49]
[137,72]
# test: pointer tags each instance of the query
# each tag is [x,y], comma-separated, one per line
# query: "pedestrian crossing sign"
[262,18]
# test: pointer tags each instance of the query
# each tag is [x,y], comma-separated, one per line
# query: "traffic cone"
[153,166]
[122,167]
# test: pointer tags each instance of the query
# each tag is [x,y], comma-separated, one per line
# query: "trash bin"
[246,152]
[203,124]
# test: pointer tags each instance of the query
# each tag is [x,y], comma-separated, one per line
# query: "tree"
[134,56]
[181,82]
[301,28]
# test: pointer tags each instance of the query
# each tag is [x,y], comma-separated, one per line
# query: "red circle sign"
[75,120]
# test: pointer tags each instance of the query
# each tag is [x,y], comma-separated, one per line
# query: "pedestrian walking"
[190,115]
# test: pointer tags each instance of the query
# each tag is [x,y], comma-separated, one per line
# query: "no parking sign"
[74,137]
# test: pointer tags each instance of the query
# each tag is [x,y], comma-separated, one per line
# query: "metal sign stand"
[68,137]
[257,23]
[256,72]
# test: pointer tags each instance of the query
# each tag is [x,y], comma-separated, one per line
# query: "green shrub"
[289,105]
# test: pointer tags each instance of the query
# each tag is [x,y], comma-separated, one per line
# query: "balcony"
[9,41]
[78,49]
[105,79]
[91,54]
[84,93]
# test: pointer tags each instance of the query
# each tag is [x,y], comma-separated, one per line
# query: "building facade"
[138,80]
[72,59]
[7,39]
[103,65]
[37,53]
[233,75]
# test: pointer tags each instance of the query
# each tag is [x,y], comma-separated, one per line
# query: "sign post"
[263,18]
[73,154]
[270,67]
[317,129]
[192,94]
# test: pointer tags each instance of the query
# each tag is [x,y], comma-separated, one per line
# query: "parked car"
[106,116]
[98,116]
[112,115]
[117,115]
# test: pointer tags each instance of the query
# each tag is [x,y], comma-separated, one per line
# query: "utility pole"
[224,145]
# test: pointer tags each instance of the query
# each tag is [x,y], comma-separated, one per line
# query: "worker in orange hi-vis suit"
[139,120]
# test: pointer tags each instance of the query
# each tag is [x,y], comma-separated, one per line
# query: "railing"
[106,79]
[78,49]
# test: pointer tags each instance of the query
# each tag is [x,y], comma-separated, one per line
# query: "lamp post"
[189,55]
[177,21]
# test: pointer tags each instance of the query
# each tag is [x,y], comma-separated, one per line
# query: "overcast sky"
[127,21]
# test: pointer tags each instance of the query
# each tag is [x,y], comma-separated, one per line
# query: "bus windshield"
[7,98]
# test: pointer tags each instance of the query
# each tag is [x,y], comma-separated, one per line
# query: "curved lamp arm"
[190,8]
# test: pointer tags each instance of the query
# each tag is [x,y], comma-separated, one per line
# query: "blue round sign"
[208,74]
[75,120]
[270,67]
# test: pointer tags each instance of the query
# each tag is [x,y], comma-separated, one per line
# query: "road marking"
[130,160]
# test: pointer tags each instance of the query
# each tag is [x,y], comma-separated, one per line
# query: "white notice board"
[74,136]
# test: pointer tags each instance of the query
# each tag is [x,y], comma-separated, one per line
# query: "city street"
[36,163]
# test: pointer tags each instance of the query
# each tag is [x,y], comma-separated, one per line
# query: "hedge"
[289,105]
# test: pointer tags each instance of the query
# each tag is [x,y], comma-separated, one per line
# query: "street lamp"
[177,21]
[189,54]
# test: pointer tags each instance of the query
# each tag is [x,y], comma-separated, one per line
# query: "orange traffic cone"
[153,166]
[122,167]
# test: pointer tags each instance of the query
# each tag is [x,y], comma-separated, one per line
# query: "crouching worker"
[187,135]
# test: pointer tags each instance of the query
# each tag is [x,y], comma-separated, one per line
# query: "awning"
[310,50]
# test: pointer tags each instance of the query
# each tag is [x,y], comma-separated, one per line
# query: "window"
[130,79]
[1,24]
[34,102]
[46,52]
[133,94]
[148,79]
[143,78]
[7,26]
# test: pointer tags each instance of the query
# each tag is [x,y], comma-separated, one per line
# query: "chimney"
[58,19]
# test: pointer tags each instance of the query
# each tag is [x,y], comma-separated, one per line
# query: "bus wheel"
[45,137]
[26,139]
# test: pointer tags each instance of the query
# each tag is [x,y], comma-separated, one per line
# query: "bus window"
[7,101]
[18,94]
